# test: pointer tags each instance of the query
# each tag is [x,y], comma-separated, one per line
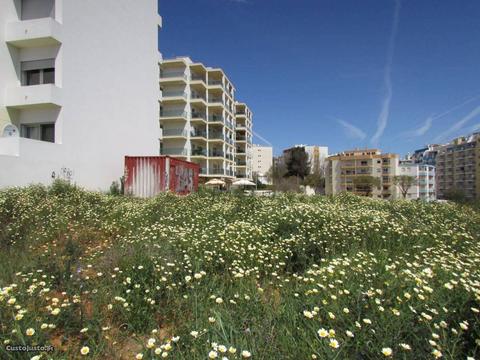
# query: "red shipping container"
[147,176]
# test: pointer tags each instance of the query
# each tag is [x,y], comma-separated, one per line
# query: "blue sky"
[396,74]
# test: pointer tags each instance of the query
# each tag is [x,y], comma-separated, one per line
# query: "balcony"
[199,116]
[174,152]
[174,96]
[214,136]
[175,133]
[215,100]
[33,33]
[173,114]
[216,153]
[173,77]
[198,133]
[199,152]
[216,171]
[216,118]
[215,83]
[21,97]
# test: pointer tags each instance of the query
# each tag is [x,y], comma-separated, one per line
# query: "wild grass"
[228,276]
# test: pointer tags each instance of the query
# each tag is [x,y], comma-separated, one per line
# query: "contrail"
[262,138]
[452,109]
[458,125]
[352,130]
[387,78]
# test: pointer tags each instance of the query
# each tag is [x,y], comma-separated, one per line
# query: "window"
[42,132]
[35,9]
[38,72]
[32,77]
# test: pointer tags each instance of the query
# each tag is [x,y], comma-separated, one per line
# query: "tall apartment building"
[78,89]
[262,161]
[198,118]
[424,188]
[316,156]
[243,141]
[458,167]
[341,169]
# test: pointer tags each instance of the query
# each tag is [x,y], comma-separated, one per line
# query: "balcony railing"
[198,96]
[216,136]
[173,113]
[175,132]
[198,133]
[215,99]
[215,82]
[175,151]
[216,153]
[198,115]
[173,75]
[216,118]
[216,171]
[199,152]
[196,77]
[172,94]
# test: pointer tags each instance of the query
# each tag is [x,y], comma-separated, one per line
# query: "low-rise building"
[262,161]
[341,170]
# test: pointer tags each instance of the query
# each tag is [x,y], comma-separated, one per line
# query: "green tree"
[315,180]
[366,183]
[296,160]
[455,194]
[404,183]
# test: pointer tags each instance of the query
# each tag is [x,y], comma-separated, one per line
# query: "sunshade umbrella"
[243,182]
[215,182]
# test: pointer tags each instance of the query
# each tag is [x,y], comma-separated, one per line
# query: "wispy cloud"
[387,77]
[262,138]
[422,130]
[351,130]
[458,125]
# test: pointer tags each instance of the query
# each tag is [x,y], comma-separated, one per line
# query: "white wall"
[107,68]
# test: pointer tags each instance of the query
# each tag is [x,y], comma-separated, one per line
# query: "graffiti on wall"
[184,177]
[65,174]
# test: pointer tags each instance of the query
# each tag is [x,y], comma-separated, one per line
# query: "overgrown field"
[234,277]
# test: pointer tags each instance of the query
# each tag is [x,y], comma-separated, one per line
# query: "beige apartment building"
[198,119]
[341,169]
[457,167]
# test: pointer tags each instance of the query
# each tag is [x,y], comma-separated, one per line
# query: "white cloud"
[458,125]
[351,130]
[387,78]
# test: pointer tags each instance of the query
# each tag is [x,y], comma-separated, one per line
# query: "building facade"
[424,174]
[78,92]
[243,142]
[458,167]
[198,120]
[341,170]
[262,162]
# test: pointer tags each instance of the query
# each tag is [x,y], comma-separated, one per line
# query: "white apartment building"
[78,89]
[198,120]
[243,141]
[424,188]
[262,159]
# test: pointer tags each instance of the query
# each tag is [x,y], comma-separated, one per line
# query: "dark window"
[33,77]
[48,132]
[49,76]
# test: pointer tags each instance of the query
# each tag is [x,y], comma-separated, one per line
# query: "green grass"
[200,274]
